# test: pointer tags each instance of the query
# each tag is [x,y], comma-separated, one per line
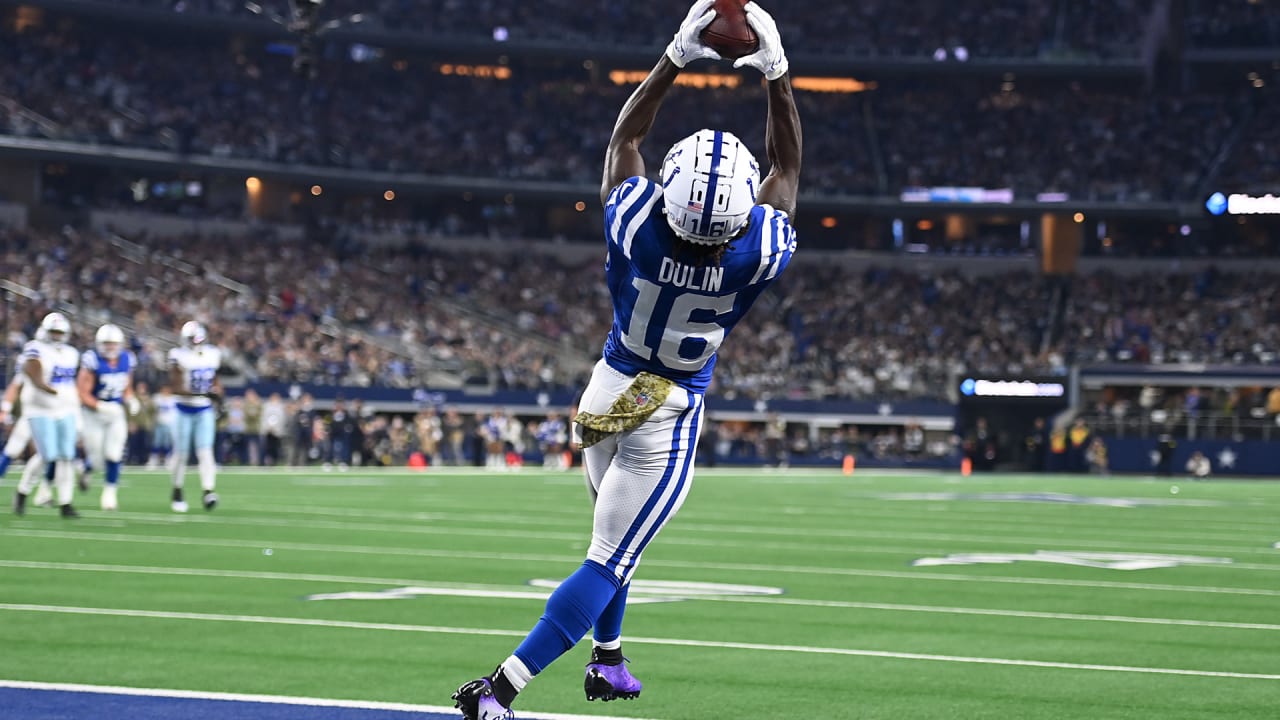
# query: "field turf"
[834,616]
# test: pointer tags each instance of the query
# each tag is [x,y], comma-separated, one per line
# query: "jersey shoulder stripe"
[629,206]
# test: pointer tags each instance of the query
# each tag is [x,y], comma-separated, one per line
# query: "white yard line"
[802,649]
[681,527]
[523,593]
[727,567]
[579,516]
[273,699]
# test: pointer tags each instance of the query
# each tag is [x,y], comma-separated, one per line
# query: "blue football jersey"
[671,314]
[109,381]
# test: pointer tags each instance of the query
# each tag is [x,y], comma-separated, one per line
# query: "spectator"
[1198,466]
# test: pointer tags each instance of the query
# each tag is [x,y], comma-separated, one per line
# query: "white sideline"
[803,649]
[524,593]
[274,699]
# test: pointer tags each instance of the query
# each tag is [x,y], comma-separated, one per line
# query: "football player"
[19,431]
[687,257]
[193,373]
[51,405]
[106,387]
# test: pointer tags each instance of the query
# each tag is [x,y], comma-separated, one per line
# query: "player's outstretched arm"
[784,146]
[783,137]
[622,160]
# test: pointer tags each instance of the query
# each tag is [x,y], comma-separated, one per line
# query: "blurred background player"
[686,260]
[19,432]
[552,435]
[193,372]
[51,404]
[105,384]
[165,406]
[19,438]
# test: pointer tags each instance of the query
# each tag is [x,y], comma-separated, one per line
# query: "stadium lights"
[701,81]
[316,191]
[389,195]
[580,206]
[253,184]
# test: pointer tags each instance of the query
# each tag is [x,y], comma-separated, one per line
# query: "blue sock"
[4,464]
[571,610]
[88,466]
[113,473]
[609,624]
[48,470]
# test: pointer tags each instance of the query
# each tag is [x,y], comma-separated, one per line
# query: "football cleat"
[179,506]
[210,500]
[44,495]
[477,702]
[607,682]
[109,498]
[69,512]
[19,504]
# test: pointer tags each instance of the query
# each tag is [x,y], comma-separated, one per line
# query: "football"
[729,34]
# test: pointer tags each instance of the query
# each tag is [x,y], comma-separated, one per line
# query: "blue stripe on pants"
[675,494]
[673,459]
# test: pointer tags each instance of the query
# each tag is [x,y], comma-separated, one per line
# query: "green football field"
[771,595]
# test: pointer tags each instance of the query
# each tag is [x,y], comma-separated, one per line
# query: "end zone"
[57,701]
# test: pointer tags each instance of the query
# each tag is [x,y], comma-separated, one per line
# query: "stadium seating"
[311,314]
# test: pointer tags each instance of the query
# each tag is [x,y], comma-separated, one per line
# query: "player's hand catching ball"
[770,59]
[687,46]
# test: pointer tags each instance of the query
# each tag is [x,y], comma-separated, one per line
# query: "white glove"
[687,45]
[770,59]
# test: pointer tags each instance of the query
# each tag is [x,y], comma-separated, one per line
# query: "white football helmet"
[193,333]
[709,185]
[55,323]
[109,340]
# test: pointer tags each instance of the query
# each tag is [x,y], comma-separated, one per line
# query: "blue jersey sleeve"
[776,244]
[629,205]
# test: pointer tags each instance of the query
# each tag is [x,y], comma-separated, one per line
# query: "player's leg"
[16,444]
[93,433]
[45,437]
[204,434]
[647,481]
[66,429]
[115,437]
[184,430]
[643,485]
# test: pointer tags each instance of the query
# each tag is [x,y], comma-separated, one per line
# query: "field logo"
[1103,561]
[642,591]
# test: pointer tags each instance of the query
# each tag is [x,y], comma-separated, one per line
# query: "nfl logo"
[642,399]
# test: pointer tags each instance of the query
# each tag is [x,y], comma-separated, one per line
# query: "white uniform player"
[193,368]
[19,431]
[51,405]
[106,387]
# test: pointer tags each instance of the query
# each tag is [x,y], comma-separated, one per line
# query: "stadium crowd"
[294,312]
[984,29]
[1233,23]
[98,87]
